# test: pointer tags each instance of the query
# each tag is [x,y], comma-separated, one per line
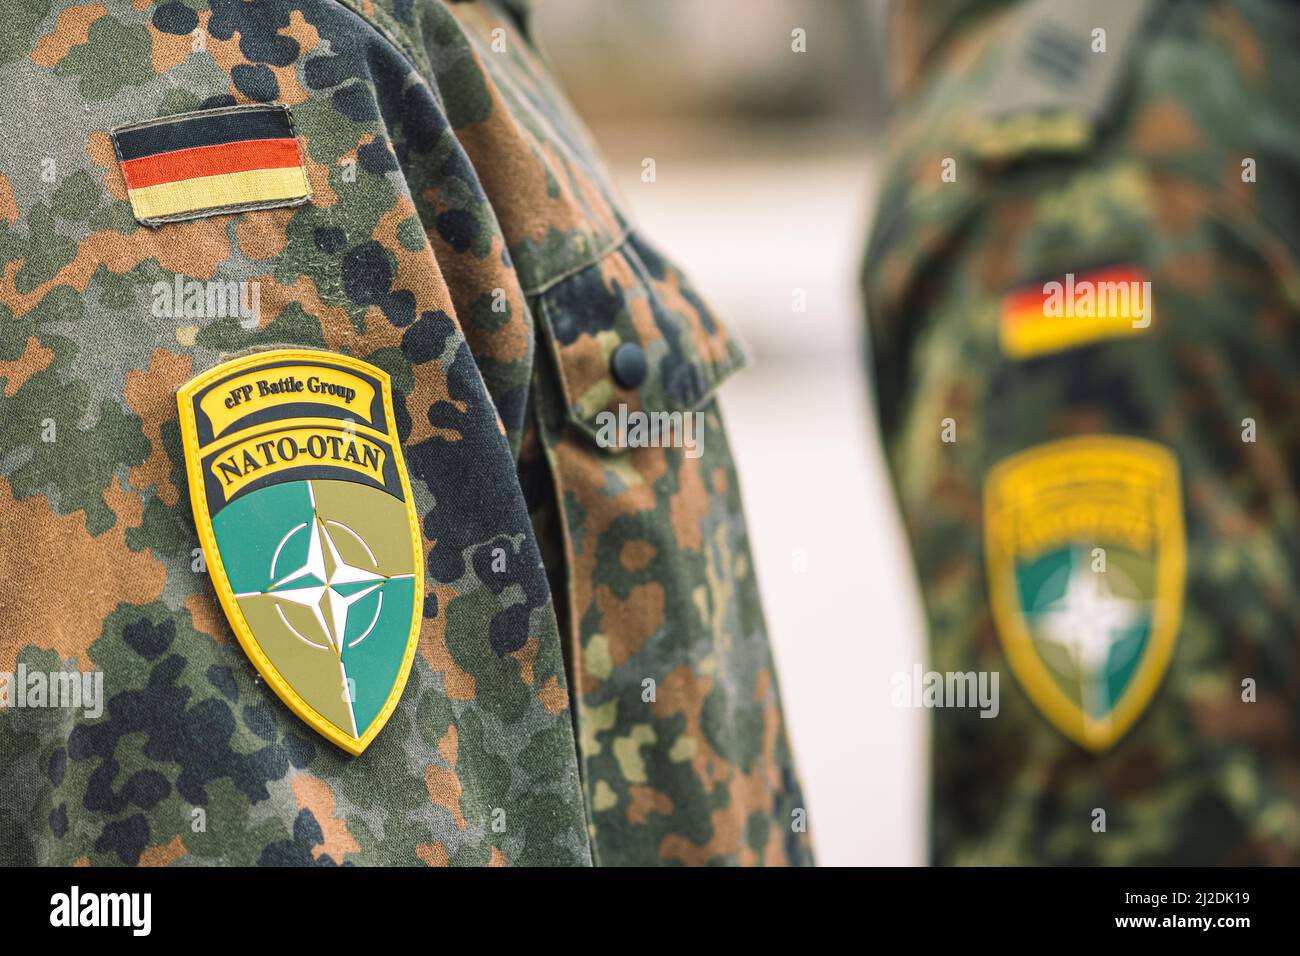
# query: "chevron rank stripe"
[211,162]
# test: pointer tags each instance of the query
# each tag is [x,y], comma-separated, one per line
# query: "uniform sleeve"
[1085,361]
[180,750]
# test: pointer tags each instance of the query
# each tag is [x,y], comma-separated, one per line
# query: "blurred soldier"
[375,256]
[1082,286]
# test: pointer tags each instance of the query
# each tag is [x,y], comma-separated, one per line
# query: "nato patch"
[303,507]
[225,160]
[1086,555]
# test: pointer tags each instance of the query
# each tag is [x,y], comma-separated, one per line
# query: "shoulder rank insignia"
[304,511]
[1085,553]
[226,160]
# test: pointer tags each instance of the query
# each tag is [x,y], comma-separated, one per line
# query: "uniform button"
[629,365]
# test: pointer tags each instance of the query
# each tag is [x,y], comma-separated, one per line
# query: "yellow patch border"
[1171,563]
[217,570]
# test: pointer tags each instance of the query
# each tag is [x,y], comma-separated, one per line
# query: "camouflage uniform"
[462,237]
[1065,160]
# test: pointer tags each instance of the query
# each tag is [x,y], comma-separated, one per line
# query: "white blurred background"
[764,160]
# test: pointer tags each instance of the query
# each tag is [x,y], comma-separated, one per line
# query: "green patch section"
[21,21]
[1090,628]
[293,324]
[114,55]
[249,529]
[374,663]
[77,196]
[47,251]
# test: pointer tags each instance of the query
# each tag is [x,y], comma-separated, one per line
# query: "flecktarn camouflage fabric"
[592,682]
[1083,285]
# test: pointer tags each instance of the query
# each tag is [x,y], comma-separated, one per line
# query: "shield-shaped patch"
[304,511]
[1086,556]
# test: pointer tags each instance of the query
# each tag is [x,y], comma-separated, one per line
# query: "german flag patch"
[211,162]
[1071,311]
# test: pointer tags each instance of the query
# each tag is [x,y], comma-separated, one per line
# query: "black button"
[629,365]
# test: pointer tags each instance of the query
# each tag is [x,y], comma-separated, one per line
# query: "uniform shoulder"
[421,28]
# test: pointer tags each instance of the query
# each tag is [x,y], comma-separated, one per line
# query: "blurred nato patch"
[226,160]
[1086,555]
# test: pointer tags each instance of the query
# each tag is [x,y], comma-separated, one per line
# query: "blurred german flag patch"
[210,162]
[1072,310]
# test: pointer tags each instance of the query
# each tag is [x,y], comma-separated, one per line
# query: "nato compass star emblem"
[327,584]
[1086,556]
[304,509]
[1092,626]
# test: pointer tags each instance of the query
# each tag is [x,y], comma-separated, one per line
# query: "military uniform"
[1082,287]
[426,204]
